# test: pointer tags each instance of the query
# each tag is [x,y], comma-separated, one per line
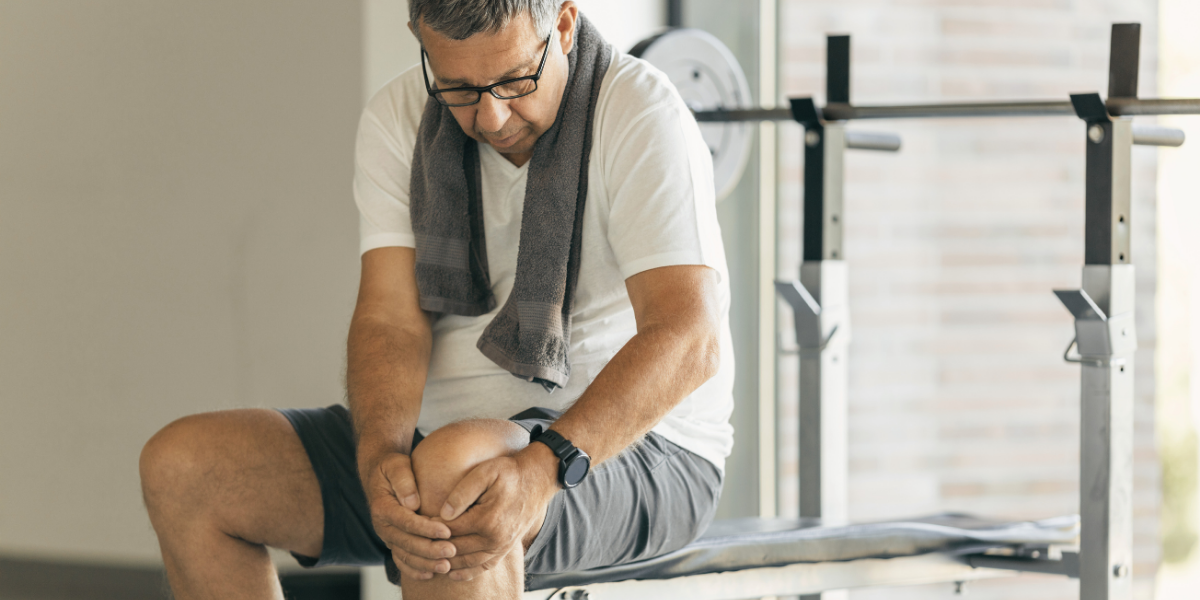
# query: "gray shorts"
[653,498]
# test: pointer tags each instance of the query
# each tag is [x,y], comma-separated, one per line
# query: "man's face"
[510,126]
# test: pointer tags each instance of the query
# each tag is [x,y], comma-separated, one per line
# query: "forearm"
[385,375]
[648,377]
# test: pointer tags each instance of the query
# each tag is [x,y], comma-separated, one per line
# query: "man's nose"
[492,113]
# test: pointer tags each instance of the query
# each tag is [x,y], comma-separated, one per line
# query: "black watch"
[573,463]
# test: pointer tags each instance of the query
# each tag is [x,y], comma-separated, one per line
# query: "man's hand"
[418,543]
[496,505]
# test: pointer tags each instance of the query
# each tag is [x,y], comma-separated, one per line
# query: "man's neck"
[518,159]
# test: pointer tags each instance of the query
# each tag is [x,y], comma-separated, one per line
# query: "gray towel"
[531,334]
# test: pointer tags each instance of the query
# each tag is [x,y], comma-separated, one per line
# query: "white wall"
[176,232]
[176,235]
[388,46]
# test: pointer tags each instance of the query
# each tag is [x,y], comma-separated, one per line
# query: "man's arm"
[387,361]
[675,350]
[387,354]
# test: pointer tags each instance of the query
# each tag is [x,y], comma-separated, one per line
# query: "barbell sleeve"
[872,140]
[1152,135]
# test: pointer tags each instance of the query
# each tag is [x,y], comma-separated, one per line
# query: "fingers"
[416,545]
[418,563]
[397,471]
[386,512]
[471,544]
[412,567]
[470,561]
[469,490]
[470,573]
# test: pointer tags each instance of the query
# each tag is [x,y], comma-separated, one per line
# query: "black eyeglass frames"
[504,90]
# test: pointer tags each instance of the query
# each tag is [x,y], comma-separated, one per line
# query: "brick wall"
[959,398]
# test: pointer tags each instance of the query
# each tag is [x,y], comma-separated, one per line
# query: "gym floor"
[44,580]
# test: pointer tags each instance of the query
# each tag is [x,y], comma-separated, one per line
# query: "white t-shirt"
[650,203]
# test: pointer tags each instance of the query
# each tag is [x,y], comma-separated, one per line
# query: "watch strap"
[558,444]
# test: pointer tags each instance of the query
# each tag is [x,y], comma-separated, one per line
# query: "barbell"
[713,85]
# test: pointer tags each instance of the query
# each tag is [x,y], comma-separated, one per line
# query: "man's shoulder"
[633,86]
[398,105]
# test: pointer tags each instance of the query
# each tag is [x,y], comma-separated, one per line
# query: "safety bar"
[873,140]
[1151,135]
[1118,107]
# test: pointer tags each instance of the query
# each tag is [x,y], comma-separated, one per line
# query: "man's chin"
[513,143]
[521,147]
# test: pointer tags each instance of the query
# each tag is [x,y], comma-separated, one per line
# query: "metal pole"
[1129,107]
[674,13]
[745,114]
[819,302]
[1106,339]
[768,447]
[843,112]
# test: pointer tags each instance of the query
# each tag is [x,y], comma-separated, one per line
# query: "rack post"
[819,301]
[1106,337]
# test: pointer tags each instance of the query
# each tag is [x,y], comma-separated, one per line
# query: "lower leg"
[212,564]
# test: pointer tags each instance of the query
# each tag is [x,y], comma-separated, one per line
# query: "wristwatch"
[573,463]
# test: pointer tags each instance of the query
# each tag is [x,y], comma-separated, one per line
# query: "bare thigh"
[243,472]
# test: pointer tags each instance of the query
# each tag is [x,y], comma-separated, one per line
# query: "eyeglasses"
[504,90]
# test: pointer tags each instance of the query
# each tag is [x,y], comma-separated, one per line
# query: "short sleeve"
[383,163]
[660,183]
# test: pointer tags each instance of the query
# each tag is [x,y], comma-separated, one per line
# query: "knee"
[173,460]
[441,460]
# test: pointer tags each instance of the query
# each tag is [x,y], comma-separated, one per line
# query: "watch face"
[576,471]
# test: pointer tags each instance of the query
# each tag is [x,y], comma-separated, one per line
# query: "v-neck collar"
[496,157]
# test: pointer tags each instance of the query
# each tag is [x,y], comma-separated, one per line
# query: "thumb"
[468,491]
[398,472]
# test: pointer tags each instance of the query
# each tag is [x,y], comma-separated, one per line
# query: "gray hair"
[461,19]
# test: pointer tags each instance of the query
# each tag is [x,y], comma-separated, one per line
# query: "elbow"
[708,355]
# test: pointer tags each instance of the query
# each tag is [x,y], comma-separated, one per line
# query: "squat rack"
[1104,344]
[1103,308]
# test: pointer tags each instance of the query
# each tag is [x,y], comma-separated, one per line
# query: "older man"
[539,373]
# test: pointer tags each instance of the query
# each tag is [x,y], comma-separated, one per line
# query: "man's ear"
[567,16]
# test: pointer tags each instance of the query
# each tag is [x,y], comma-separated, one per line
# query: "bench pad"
[736,544]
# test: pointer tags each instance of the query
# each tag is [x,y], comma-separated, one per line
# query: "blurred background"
[177,234]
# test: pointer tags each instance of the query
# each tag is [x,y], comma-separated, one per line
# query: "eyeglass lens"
[513,89]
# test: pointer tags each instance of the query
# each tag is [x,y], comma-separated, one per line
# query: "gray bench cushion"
[737,544]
